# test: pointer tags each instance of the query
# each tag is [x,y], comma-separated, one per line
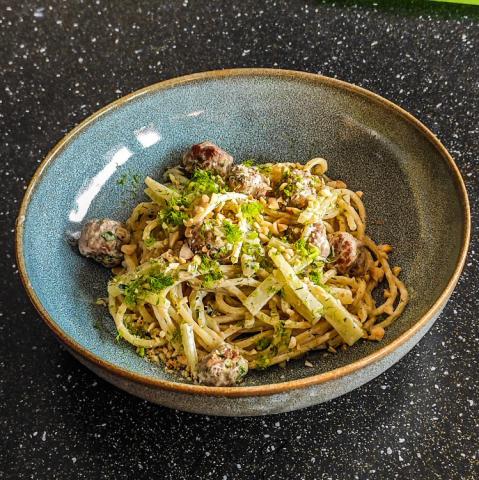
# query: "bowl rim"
[267,389]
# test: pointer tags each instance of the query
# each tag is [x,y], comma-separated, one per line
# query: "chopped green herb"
[118,337]
[139,287]
[301,247]
[233,233]
[211,271]
[160,281]
[122,180]
[264,168]
[305,250]
[176,337]
[132,291]
[220,253]
[132,181]
[294,184]
[109,236]
[135,179]
[253,249]
[149,242]
[204,182]
[288,191]
[317,277]
[210,278]
[252,210]
[141,351]
[263,343]
[173,213]
[263,362]
[242,371]
[249,163]
[172,216]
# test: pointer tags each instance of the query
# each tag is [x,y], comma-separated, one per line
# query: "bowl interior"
[411,195]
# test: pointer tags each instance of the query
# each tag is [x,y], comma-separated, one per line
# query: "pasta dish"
[230,267]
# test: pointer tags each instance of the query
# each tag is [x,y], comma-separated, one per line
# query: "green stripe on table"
[466,2]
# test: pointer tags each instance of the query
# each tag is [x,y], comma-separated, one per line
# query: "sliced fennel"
[293,300]
[346,324]
[298,288]
[243,226]
[270,286]
[158,192]
[189,346]
[259,297]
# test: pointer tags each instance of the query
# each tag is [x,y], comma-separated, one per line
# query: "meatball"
[319,239]
[346,250]
[207,156]
[300,185]
[208,239]
[362,264]
[222,367]
[248,180]
[102,240]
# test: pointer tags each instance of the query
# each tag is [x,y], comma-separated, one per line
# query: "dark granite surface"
[59,62]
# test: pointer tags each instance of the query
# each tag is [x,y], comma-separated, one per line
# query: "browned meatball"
[208,239]
[222,367]
[362,263]
[346,249]
[248,180]
[319,239]
[300,186]
[207,156]
[102,240]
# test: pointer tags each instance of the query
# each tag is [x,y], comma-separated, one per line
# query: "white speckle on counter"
[39,12]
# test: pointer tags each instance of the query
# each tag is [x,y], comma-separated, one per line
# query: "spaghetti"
[213,276]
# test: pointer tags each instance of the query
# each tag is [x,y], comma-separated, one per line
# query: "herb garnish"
[109,236]
[132,181]
[233,233]
[263,343]
[171,216]
[149,242]
[251,210]
[160,281]
[211,271]
[204,182]
[316,276]
[141,286]
[305,250]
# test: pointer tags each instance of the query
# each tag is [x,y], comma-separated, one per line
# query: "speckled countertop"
[59,62]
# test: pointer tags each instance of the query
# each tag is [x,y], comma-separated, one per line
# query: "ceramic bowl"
[414,195]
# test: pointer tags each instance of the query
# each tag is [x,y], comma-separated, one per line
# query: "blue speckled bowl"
[414,194]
